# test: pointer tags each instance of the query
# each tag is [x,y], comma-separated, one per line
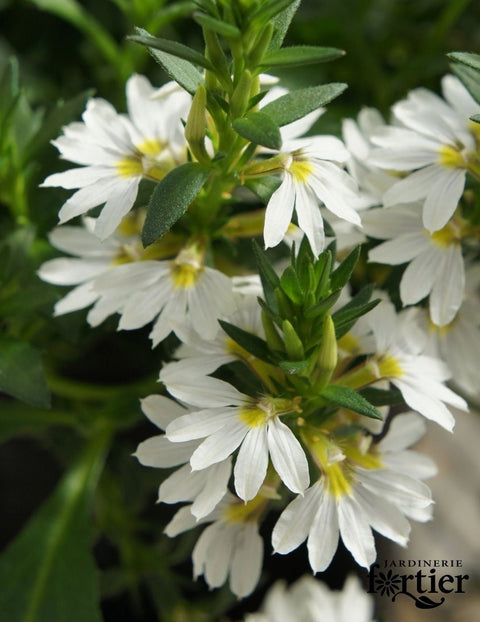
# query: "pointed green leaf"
[470,78]
[268,276]
[466,58]
[259,128]
[323,306]
[48,573]
[300,55]
[173,48]
[291,285]
[248,341]
[380,397]
[345,319]
[171,199]
[269,10]
[180,70]
[475,118]
[281,22]
[222,28]
[21,372]
[297,104]
[294,367]
[348,398]
[341,275]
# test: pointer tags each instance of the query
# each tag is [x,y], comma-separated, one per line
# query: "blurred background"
[54,54]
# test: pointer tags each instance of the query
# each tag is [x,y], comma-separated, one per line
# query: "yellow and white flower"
[117,151]
[230,420]
[358,491]
[435,145]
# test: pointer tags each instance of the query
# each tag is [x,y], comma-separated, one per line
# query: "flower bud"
[293,342]
[327,356]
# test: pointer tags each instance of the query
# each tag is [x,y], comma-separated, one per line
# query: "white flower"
[438,143]
[357,135]
[91,259]
[310,177]
[178,293]
[230,420]
[369,490]
[435,261]
[205,488]
[458,344]
[420,378]
[117,151]
[310,600]
[230,547]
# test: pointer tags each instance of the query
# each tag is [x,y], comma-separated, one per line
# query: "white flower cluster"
[402,183]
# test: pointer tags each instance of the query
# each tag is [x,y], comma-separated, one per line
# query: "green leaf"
[475,118]
[259,128]
[281,22]
[171,199]
[381,397]
[300,55]
[291,285]
[466,58]
[222,28]
[48,573]
[263,187]
[269,10]
[341,275]
[348,398]
[294,367]
[324,305]
[268,276]
[297,104]
[470,78]
[344,319]
[180,70]
[173,48]
[248,341]
[21,372]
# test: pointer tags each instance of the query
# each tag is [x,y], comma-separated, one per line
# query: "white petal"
[247,561]
[404,431]
[442,198]
[199,424]
[77,177]
[420,275]
[414,187]
[116,208]
[219,555]
[383,516]
[181,485]
[399,250]
[161,410]
[182,521]
[79,298]
[323,539]
[279,212]
[395,487]
[219,445]
[67,271]
[309,218]
[447,291]
[427,406]
[356,533]
[214,488]
[287,456]
[294,524]
[159,452]
[252,462]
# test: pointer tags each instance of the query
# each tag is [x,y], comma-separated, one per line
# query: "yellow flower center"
[129,167]
[451,157]
[389,367]
[151,147]
[244,512]
[301,170]
[448,236]
[185,275]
